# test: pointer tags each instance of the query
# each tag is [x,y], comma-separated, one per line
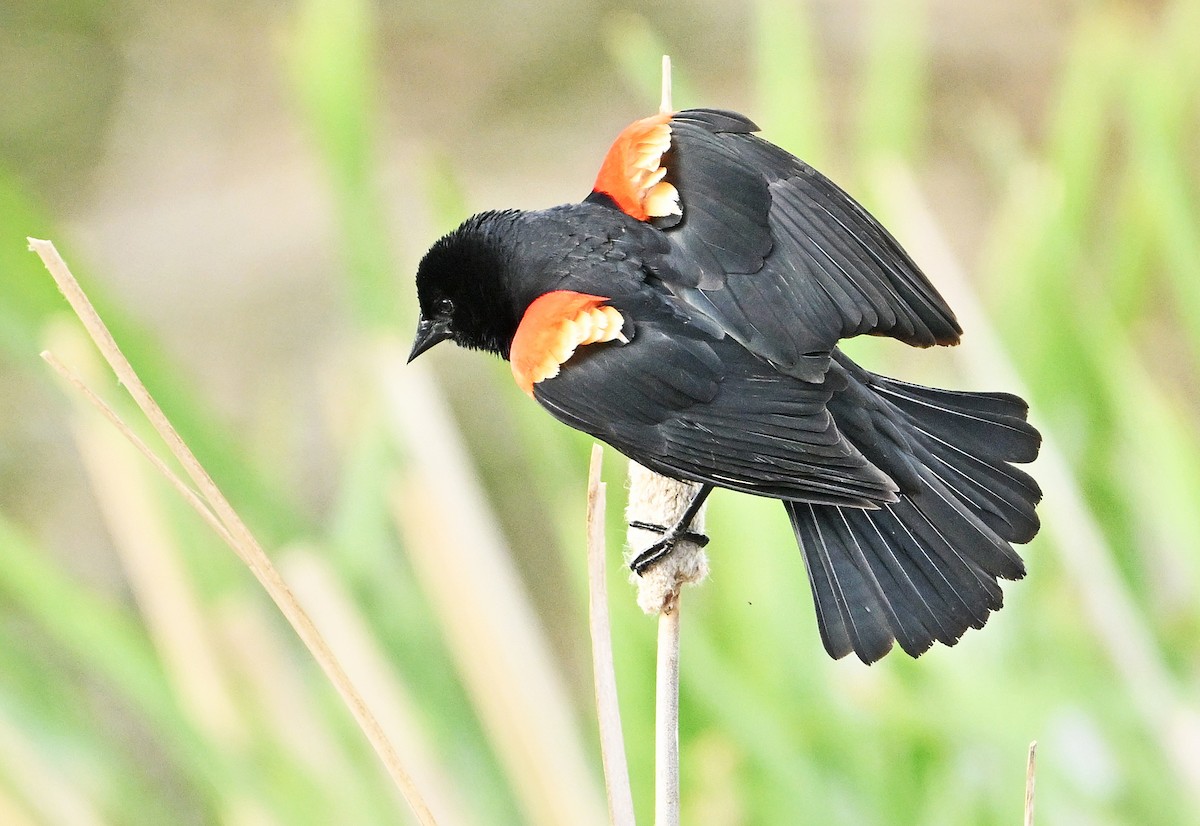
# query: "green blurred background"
[245,188]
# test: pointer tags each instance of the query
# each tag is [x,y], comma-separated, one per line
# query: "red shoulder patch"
[632,173]
[552,328]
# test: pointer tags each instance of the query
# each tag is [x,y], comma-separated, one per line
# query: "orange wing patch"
[632,173]
[553,327]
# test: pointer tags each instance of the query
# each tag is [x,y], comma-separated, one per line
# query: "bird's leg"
[677,532]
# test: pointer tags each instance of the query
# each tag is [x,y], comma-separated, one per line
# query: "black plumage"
[904,499]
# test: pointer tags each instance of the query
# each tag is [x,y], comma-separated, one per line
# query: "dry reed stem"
[608,710]
[1078,538]
[666,691]
[666,721]
[235,531]
[659,500]
[1030,772]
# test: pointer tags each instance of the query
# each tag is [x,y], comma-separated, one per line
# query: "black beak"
[429,333]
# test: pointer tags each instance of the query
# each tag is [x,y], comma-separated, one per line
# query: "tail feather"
[923,569]
[1001,496]
[951,413]
[968,441]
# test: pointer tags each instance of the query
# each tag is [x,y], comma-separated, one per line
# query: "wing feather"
[706,410]
[781,256]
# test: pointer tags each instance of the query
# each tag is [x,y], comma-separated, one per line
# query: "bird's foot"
[663,547]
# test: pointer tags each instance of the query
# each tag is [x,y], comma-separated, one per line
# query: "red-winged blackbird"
[687,313]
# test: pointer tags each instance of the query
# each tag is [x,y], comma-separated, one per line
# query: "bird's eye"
[444,307]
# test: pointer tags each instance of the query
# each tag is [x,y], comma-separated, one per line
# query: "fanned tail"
[925,568]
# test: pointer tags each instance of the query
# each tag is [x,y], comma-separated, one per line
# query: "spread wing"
[696,407]
[783,258]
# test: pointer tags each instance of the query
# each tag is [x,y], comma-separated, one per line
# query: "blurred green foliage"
[1091,268]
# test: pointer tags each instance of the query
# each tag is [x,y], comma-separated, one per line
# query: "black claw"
[676,533]
[649,556]
[664,547]
[647,526]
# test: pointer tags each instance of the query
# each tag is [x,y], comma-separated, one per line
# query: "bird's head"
[463,288]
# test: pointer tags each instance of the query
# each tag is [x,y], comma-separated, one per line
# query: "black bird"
[687,313]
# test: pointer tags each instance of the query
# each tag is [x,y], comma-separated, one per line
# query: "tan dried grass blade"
[231,528]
